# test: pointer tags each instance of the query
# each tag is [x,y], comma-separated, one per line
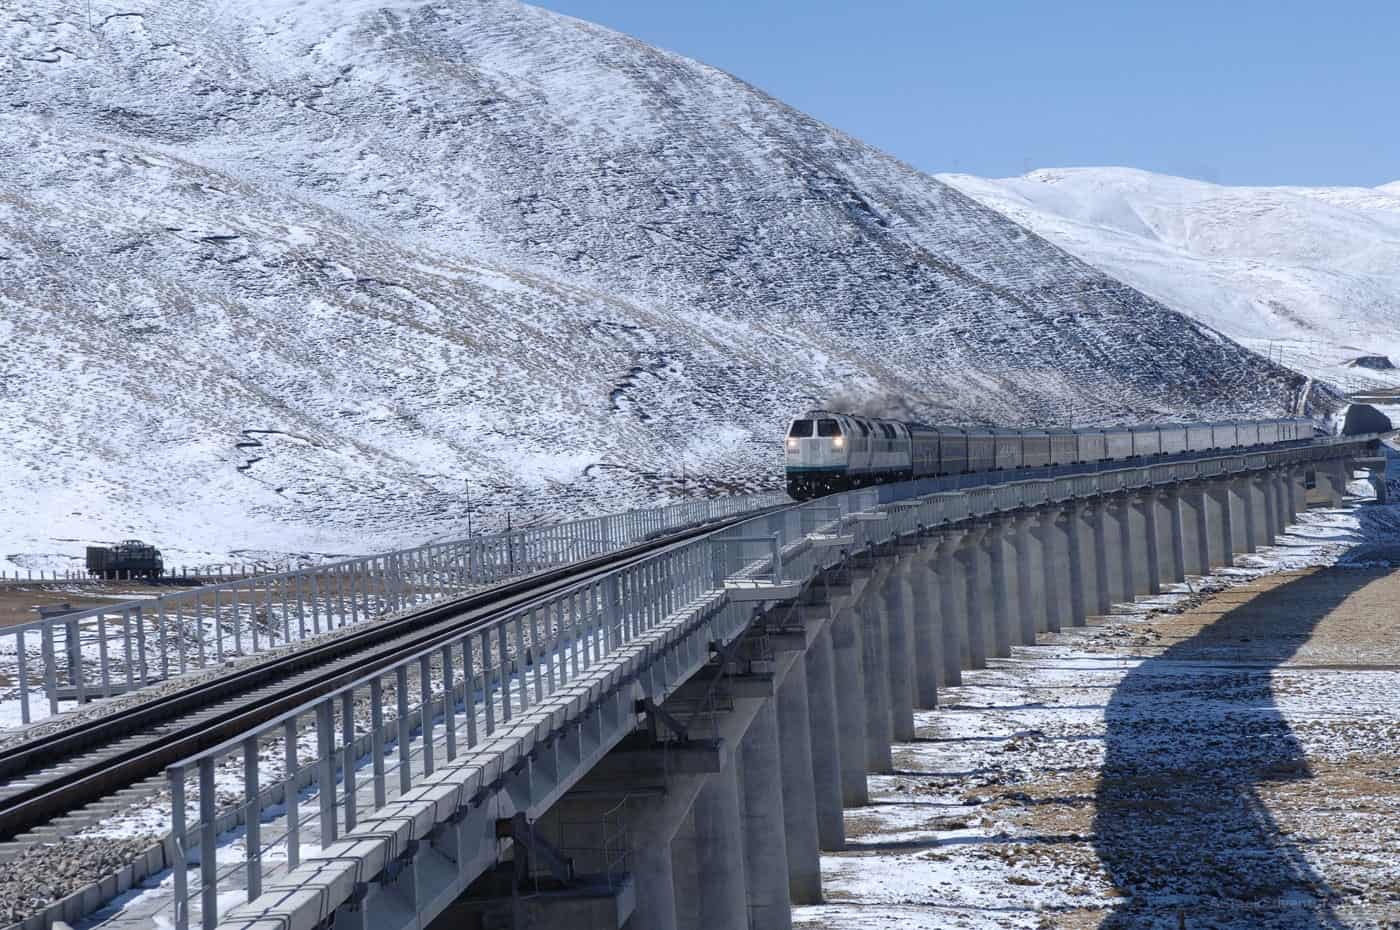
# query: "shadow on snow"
[1180,824]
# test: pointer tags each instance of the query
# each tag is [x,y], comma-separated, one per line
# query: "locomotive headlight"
[838,443]
[792,443]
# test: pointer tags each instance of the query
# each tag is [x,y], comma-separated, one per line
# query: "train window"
[801,428]
[828,428]
[885,428]
[864,430]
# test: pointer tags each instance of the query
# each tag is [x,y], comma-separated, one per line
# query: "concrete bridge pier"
[1079,574]
[1120,548]
[1222,498]
[1263,482]
[1287,488]
[1102,603]
[801,811]
[1029,580]
[898,610]
[846,631]
[1055,610]
[1297,490]
[764,823]
[952,606]
[1245,532]
[1336,475]
[1196,507]
[1278,518]
[719,857]
[1283,504]
[1149,579]
[976,600]
[927,623]
[827,741]
[875,675]
[994,544]
[1171,535]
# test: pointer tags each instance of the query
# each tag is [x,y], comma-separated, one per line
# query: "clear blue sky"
[1233,91]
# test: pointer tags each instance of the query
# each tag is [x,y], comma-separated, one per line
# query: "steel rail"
[261,693]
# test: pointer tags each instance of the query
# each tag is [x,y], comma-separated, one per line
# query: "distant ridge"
[1310,275]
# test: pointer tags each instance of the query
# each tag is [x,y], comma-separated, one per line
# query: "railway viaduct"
[679,756]
[669,740]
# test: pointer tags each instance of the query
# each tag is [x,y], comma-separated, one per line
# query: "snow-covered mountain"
[1311,275]
[284,276]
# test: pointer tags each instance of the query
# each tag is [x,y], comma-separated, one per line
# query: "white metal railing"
[347,754]
[64,661]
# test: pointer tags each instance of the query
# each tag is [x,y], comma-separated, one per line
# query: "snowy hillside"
[282,276]
[1311,275]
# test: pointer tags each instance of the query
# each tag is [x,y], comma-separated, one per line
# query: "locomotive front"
[817,453]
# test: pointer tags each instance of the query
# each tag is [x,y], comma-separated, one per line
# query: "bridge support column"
[1195,516]
[1336,473]
[1103,590]
[799,796]
[719,853]
[952,608]
[1173,535]
[898,609]
[1145,506]
[1079,574]
[850,705]
[928,626]
[1030,606]
[653,874]
[976,600]
[1222,499]
[764,822]
[875,675]
[1054,608]
[1121,566]
[1245,531]
[828,742]
[1278,480]
[1272,511]
[995,543]
[1297,490]
[1268,519]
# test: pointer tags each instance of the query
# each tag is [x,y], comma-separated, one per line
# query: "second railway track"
[55,775]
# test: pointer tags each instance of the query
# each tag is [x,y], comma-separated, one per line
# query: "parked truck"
[130,558]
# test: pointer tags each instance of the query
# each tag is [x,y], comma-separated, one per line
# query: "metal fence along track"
[110,650]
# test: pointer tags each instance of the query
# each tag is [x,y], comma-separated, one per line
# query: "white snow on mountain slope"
[281,277]
[1309,274]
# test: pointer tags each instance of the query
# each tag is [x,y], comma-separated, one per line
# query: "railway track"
[47,782]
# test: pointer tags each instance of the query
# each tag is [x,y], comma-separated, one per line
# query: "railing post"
[23,678]
[175,777]
[50,668]
[425,693]
[376,723]
[347,730]
[290,794]
[401,694]
[208,847]
[325,743]
[252,814]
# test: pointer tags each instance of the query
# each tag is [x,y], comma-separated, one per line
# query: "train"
[826,451]
[129,559]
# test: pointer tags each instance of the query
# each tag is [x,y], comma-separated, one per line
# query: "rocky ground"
[1226,760]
